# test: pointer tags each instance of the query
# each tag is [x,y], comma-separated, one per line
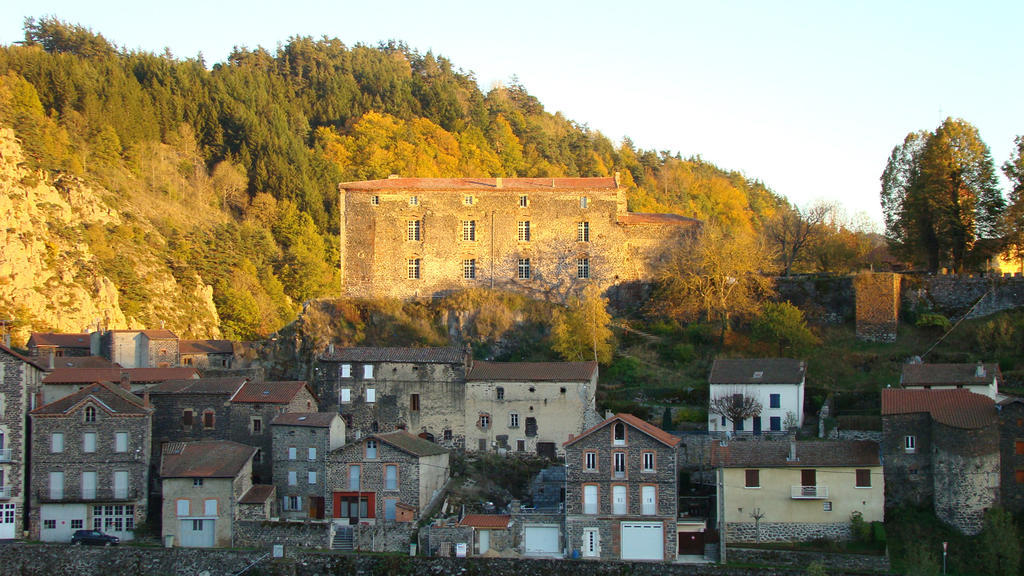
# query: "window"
[293,503]
[467,199]
[619,434]
[183,506]
[120,442]
[90,414]
[346,370]
[618,499]
[521,445]
[863,478]
[910,444]
[1018,475]
[353,478]
[524,201]
[775,423]
[484,421]
[447,435]
[523,269]
[56,485]
[391,477]
[469,230]
[197,482]
[57,442]
[648,462]
[50,524]
[89,442]
[1018,447]
[291,453]
[371,395]
[513,420]
[469,269]
[775,400]
[589,499]
[257,425]
[186,419]
[412,230]
[412,268]
[375,200]
[648,500]
[368,372]
[500,393]
[414,402]
[584,202]
[293,477]
[311,453]
[371,449]
[210,507]
[209,419]
[590,461]
[311,476]
[583,232]
[619,464]
[414,200]
[77,524]
[345,396]
[523,231]
[583,267]
[88,485]
[753,479]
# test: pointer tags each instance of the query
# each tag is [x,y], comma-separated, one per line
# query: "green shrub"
[689,414]
[878,532]
[860,529]
[933,320]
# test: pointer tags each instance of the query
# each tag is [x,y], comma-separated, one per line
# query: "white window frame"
[121,479]
[293,478]
[513,420]
[183,507]
[293,453]
[56,481]
[523,230]
[524,200]
[89,442]
[346,395]
[583,231]
[619,503]
[584,202]
[590,461]
[346,370]
[210,507]
[354,477]
[469,230]
[583,268]
[468,199]
[89,485]
[371,449]
[523,271]
[648,500]
[469,269]
[413,230]
[311,453]
[120,442]
[367,371]
[56,442]
[391,476]
[412,269]
[648,461]
[371,395]
[590,495]
[311,476]
[910,444]
[414,200]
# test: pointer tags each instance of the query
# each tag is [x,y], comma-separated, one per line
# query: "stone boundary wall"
[877,299]
[953,295]
[839,434]
[23,558]
[384,536]
[801,559]
[786,531]
[258,533]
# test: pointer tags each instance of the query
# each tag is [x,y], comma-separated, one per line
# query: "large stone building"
[301,443]
[20,380]
[424,237]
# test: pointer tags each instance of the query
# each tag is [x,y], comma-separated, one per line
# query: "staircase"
[342,541]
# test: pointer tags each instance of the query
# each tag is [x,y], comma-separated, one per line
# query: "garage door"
[7,512]
[541,540]
[60,521]
[643,541]
[197,533]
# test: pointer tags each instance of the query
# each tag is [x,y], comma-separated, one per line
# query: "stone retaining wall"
[258,533]
[786,531]
[801,559]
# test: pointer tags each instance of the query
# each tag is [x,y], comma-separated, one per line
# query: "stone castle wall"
[966,475]
[877,306]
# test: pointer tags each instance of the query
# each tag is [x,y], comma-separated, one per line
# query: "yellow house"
[777,490]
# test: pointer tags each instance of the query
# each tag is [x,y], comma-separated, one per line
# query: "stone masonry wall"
[302,438]
[800,559]
[908,475]
[785,531]
[14,398]
[877,306]
[1011,431]
[384,536]
[259,534]
[966,475]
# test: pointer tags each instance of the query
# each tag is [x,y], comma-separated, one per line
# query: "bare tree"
[736,407]
[790,231]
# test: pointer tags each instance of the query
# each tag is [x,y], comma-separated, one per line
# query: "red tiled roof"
[958,407]
[80,362]
[161,374]
[444,355]
[227,385]
[153,334]
[745,371]
[522,184]
[775,454]
[486,521]
[649,429]
[89,375]
[533,371]
[205,459]
[80,340]
[269,392]
[307,419]
[109,397]
[631,218]
[259,494]
[23,358]
[205,347]
[949,374]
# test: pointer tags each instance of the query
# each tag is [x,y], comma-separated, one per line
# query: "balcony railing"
[809,492]
[5,454]
[5,492]
[97,495]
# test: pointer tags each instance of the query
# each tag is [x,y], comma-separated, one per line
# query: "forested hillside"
[227,175]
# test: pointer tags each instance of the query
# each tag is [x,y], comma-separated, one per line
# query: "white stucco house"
[777,384]
[979,378]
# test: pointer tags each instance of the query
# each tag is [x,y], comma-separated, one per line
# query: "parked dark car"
[95,538]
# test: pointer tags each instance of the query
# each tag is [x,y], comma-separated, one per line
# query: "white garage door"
[541,540]
[7,512]
[643,541]
[197,533]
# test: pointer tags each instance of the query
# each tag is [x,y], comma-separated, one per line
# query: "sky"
[809,97]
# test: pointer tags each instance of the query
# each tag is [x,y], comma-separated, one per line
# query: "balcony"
[808,492]
[102,495]
[5,454]
[5,492]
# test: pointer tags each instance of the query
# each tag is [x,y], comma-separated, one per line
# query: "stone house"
[978,378]
[777,384]
[389,477]
[421,390]
[491,534]
[90,463]
[156,348]
[529,406]
[207,354]
[941,446]
[422,237]
[20,381]
[774,490]
[202,485]
[64,380]
[44,346]
[621,497]
[301,442]
[1011,453]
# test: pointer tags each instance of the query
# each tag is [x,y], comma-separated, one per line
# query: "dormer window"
[759,374]
[90,414]
[371,449]
[619,434]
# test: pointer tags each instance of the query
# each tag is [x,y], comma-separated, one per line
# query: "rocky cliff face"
[50,277]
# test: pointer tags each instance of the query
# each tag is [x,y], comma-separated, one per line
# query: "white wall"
[791,400]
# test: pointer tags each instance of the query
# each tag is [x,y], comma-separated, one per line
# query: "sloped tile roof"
[25,359]
[532,371]
[641,425]
[443,355]
[775,454]
[408,443]
[161,374]
[469,184]
[109,397]
[957,407]
[269,392]
[631,218]
[79,340]
[152,334]
[259,494]
[307,419]
[745,371]
[80,362]
[205,459]
[948,374]
[88,375]
[226,385]
[205,347]
[486,521]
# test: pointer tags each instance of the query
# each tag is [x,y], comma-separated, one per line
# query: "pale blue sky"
[808,96]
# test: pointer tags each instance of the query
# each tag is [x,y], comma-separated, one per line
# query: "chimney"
[145,397]
[53,355]
[979,370]
[126,381]
[497,182]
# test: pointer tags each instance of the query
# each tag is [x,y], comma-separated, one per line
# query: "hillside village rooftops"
[532,371]
[468,184]
[109,397]
[957,408]
[205,347]
[65,375]
[642,425]
[269,392]
[204,459]
[757,371]
[152,334]
[949,374]
[307,419]
[406,442]
[409,355]
[80,340]
[24,359]
[224,385]
[775,454]
[82,362]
